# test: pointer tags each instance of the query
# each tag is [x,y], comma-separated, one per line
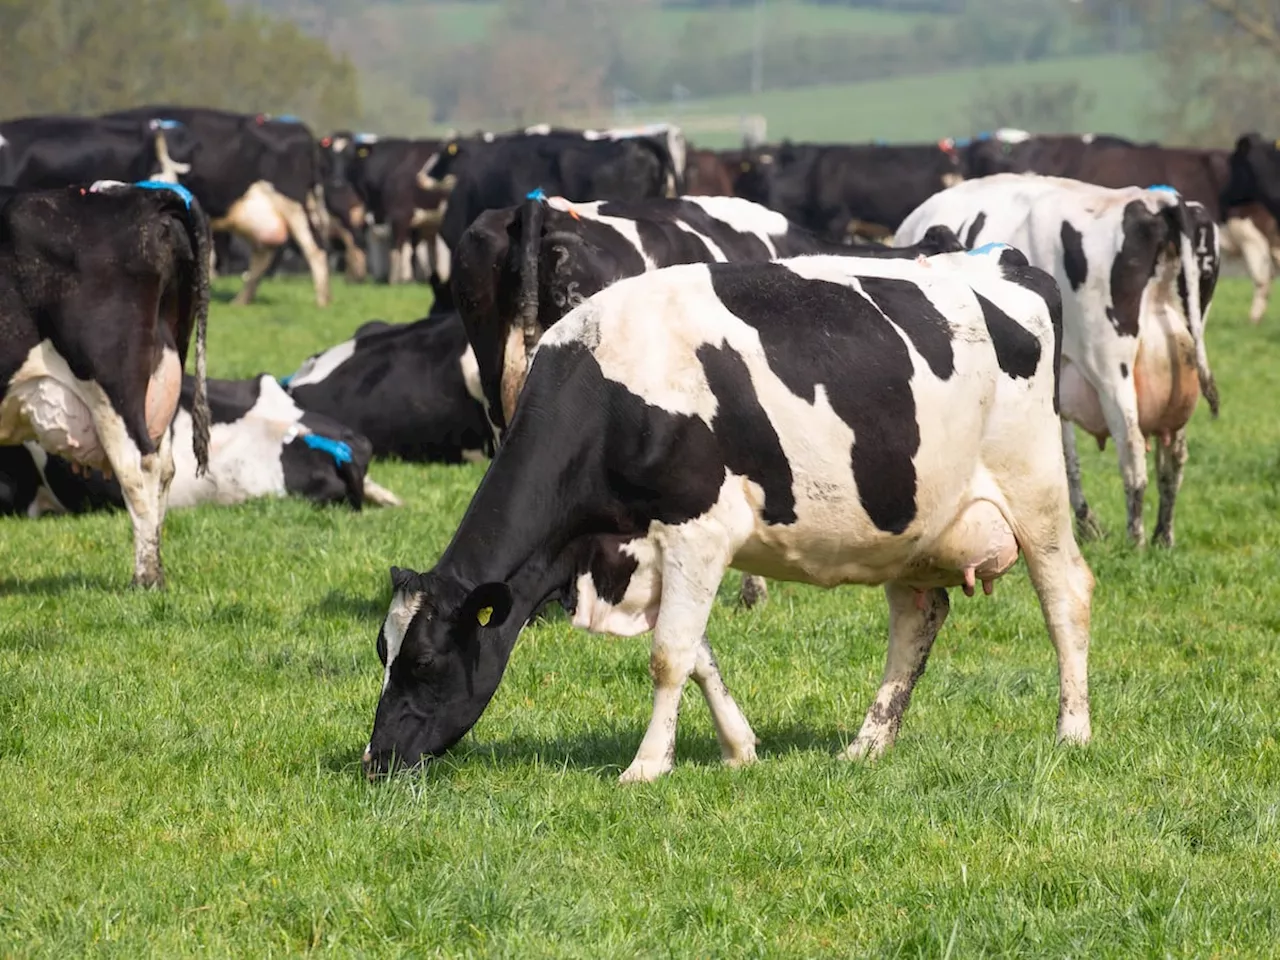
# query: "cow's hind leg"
[295,215]
[691,571]
[754,591]
[1086,520]
[912,629]
[1170,459]
[260,259]
[1255,250]
[737,742]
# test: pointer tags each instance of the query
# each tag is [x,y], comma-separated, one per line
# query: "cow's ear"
[488,605]
[402,579]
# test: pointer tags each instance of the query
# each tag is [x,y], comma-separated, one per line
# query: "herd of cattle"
[821,363]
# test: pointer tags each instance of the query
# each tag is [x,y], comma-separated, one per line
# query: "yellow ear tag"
[483,615]
[453,148]
[745,166]
[1278,144]
[363,151]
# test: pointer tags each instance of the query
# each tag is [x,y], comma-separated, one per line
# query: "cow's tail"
[1190,278]
[525,333]
[198,230]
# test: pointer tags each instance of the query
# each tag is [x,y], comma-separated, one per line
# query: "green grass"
[179,772]
[925,108]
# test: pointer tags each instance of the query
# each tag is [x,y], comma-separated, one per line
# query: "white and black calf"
[826,420]
[261,445]
[101,289]
[1137,269]
[411,388]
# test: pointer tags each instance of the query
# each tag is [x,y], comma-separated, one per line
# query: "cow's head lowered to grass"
[443,649]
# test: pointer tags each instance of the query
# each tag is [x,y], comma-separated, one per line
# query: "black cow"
[827,420]
[259,177]
[412,389]
[1254,174]
[841,191]
[521,269]
[261,445]
[39,153]
[494,172]
[100,290]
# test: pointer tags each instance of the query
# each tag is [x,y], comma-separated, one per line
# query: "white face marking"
[471,374]
[402,611]
[316,369]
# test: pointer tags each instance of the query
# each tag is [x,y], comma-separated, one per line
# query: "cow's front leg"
[1171,457]
[913,625]
[689,582]
[737,742]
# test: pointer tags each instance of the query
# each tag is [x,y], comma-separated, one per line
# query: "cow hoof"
[741,757]
[1074,731]
[1163,538]
[148,581]
[754,591]
[642,771]
[865,749]
[1088,527]
[241,300]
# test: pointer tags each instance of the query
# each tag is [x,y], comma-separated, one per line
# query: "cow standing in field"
[843,191]
[260,177]
[411,388]
[1247,229]
[825,420]
[261,445]
[101,289]
[1138,270]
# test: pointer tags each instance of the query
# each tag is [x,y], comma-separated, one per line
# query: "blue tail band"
[538,194]
[987,248]
[340,452]
[1163,188]
[177,188]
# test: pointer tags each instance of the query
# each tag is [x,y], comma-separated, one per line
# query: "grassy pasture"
[179,772]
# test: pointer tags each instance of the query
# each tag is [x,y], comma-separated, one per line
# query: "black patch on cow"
[1017,348]
[611,571]
[807,329]
[739,415]
[1046,288]
[1144,234]
[1073,259]
[975,229]
[1124,370]
[229,400]
[907,307]
[1013,257]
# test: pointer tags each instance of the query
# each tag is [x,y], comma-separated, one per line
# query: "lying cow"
[1138,270]
[100,290]
[825,420]
[411,388]
[261,445]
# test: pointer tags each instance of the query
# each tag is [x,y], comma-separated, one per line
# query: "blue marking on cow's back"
[177,188]
[169,124]
[287,118]
[1163,188]
[987,248]
[340,452]
[285,381]
[537,194]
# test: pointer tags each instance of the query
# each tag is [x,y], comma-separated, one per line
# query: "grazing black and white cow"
[259,177]
[1137,270]
[100,290]
[411,388]
[261,445]
[826,420]
[517,271]
[846,190]
[38,153]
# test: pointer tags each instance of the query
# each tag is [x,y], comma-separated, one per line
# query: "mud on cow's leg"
[912,628]
[1087,523]
[1121,412]
[259,262]
[1171,457]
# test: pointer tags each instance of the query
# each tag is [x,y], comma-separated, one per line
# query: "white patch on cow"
[3,142]
[471,374]
[1012,135]
[45,501]
[637,612]
[745,217]
[538,130]
[46,403]
[339,144]
[318,368]
[170,170]
[257,216]
[399,616]
[426,176]
[624,227]
[1241,237]
[442,259]
[712,247]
